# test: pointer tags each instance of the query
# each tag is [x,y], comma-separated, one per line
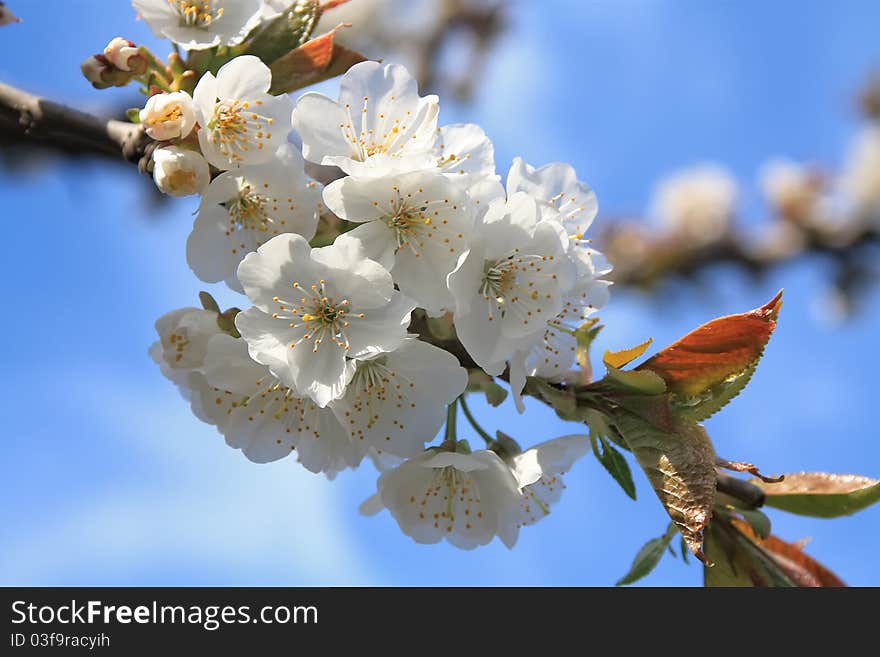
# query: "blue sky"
[110,480]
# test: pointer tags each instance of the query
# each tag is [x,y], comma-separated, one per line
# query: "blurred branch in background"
[813,212]
[443,42]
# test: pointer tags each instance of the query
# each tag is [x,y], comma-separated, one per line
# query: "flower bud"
[180,172]
[102,74]
[124,55]
[168,116]
[94,69]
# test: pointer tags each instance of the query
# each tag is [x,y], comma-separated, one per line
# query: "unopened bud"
[94,69]
[124,55]
[168,116]
[180,172]
[102,74]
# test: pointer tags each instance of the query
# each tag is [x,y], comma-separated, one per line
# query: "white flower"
[120,53]
[539,472]
[265,419]
[414,224]
[179,171]
[316,308]
[697,204]
[510,283]
[558,185]
[459,497]
[244,208]
[168,116]
[240,122]
[467,155]
[396,402]
[379,125]
[200,24]
[183,341]
[552,358]
[861,175]
[791,188]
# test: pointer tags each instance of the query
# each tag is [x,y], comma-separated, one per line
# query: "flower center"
[499,278]
[375,135]
[247,211]
[407,224]
[509,285]
[197,13]
[236,127]
[319,316]
[173,113]
[182,179]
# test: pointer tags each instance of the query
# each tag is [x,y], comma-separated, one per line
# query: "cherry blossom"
[244,208]
[415,224]
[379,125]
[463,498]
[241,123]
[200,24]
[316,309]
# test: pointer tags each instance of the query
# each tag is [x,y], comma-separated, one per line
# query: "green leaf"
[314,61]
[615,463]
[696,408]
[284,33]
[644,382]
[759,522]
[742,558]
[680,464]
[648,557]
[584,336]
[479,381]
[563,401]
[821,495]
[737,561]
[683,548]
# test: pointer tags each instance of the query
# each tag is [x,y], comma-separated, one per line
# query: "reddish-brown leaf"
[800,567]
[316,60]
[722,348]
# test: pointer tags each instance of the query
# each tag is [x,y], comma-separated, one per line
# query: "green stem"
[476,425]
[450,436]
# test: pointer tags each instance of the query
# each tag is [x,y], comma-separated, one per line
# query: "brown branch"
[28,120]
[643,261]
[482,22]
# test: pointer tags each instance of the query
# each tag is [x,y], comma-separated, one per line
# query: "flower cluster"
[413,220]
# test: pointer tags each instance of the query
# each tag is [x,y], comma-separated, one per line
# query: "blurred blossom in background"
[110,480]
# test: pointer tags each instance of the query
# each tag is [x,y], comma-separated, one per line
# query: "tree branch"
[643,262]
[31,120]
